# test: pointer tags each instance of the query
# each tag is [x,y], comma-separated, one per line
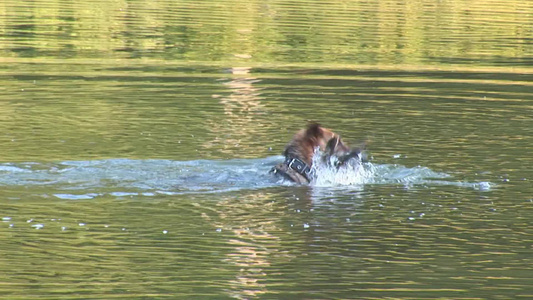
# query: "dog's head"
[307,140]
[321,137]
[338,149]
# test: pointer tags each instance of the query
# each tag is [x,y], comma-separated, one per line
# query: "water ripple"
[82,180]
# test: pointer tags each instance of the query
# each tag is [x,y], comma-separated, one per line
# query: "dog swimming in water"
[299,153]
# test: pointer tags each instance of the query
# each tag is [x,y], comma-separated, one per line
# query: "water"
[127,178]
[136,139]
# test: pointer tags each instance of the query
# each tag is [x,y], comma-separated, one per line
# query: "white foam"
[326,174]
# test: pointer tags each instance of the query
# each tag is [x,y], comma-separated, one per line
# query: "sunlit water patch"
[79,180]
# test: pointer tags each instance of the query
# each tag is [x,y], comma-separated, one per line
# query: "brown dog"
[297,166]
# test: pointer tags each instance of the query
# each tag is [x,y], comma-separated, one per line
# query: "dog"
[298,164]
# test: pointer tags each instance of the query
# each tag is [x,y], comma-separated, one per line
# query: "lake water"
[136,139]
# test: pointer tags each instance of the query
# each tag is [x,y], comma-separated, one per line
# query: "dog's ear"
[313,130]
[331,145]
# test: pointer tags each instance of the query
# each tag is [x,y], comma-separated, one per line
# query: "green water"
[136,137]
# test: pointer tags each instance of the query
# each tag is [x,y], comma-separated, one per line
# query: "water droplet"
[165,231]
[219,230]
[63,228]
[37,226]
[81,224]
[411,218]
[306,225]
[484,186]
[5,219]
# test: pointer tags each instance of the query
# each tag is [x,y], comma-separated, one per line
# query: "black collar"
[299,166]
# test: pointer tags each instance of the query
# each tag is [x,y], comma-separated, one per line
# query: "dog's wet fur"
[302,148]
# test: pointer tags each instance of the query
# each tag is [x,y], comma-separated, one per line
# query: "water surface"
[136,139]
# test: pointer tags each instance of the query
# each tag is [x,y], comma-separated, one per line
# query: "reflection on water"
[136,138]
[238,127]
[364,32]
[254,242]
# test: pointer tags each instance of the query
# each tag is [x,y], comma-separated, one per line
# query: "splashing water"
[82,180]
[326,173]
